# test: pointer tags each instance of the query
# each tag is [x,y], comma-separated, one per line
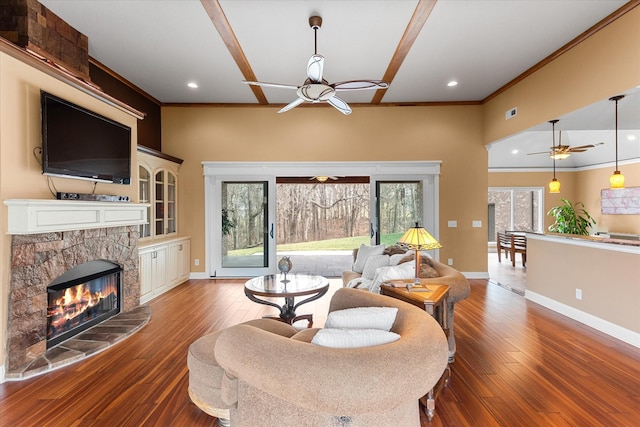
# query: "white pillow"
[395,259]
[362,318]
[364,252]
[352,338]
[373,263]
[406,270]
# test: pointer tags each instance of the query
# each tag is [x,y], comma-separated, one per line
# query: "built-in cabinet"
[163,266]
[164,257]
[158,186]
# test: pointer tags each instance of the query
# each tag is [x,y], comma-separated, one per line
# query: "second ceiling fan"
[315,88]
[560,152]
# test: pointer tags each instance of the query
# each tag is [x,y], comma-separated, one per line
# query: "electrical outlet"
[450,261]
[578,293]
[196,262]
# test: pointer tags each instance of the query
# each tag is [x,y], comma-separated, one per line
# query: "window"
[516,208]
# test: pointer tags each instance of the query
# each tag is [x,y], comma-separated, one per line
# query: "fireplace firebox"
[81,298]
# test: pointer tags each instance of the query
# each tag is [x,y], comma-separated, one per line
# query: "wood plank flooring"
[518,364]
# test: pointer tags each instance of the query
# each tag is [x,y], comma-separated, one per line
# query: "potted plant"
[571,218]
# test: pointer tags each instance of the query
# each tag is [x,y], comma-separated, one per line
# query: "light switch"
[476,224]
[452,224]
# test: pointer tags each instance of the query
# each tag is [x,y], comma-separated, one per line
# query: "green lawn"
[344,244]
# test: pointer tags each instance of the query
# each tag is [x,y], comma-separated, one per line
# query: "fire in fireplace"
[81,298]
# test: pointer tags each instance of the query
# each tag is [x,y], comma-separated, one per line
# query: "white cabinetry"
[163,266]
[158,186]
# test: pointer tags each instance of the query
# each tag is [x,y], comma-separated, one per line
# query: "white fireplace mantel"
[33,216]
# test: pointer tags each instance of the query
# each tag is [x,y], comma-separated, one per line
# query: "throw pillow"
[364,252]
[353,338]
[406,270]
[373,263]
[395,259]
[426,265]
[362,318]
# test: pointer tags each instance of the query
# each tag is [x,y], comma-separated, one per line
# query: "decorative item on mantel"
[285,265]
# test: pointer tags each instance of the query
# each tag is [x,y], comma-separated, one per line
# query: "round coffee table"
[295,285]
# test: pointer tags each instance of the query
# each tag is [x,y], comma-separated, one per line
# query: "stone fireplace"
[39,260]
[84,296]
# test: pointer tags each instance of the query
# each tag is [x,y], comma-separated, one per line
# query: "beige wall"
[610,291]
[604,65]
[583,186]
[450,134]
[20,173]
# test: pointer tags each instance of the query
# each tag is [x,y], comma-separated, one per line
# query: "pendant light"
[616,179]
[554,184]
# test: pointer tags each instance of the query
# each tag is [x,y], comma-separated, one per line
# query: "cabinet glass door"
[171,203]
[144,195]
[159,203]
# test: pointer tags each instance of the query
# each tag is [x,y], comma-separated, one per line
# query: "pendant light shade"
[554,184]
[616,179]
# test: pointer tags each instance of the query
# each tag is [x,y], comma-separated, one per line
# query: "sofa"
[370,270]
[268,373]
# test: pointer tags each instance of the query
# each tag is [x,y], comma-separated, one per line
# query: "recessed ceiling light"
[452,83]
[632,137]
[192,85]
[514,151]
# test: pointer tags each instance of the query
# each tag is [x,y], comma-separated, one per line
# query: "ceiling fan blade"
[340,105]
[580,150]
[581,147]
[264,84]
[360,85]
[292,104]
[315,68]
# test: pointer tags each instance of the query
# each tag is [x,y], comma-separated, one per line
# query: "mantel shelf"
[33,216]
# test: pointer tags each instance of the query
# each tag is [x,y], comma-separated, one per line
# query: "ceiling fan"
[323,178]
[561,152]
[315,88]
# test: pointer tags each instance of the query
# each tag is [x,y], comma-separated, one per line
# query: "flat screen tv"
[78,143]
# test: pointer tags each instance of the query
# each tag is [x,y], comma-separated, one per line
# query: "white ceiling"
[160,46]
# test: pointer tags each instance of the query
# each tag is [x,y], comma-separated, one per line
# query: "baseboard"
[611,329]
[199,275]
[476,274]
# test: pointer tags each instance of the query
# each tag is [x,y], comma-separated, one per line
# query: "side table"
[434,300]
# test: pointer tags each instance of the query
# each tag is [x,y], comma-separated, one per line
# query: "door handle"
[371,227]
[271,232]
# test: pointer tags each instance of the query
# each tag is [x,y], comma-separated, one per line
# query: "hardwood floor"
[518,364]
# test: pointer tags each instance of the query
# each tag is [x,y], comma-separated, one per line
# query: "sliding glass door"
[245,244]
[240,206]
[398,207]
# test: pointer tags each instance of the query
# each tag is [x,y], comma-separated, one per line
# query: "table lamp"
[418,238]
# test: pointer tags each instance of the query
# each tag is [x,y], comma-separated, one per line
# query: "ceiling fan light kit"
[315,88]
[616,180]
[554,184]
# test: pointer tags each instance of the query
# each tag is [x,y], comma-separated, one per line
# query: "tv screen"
[79,143]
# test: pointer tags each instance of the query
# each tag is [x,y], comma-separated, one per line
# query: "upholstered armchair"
[272,379]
